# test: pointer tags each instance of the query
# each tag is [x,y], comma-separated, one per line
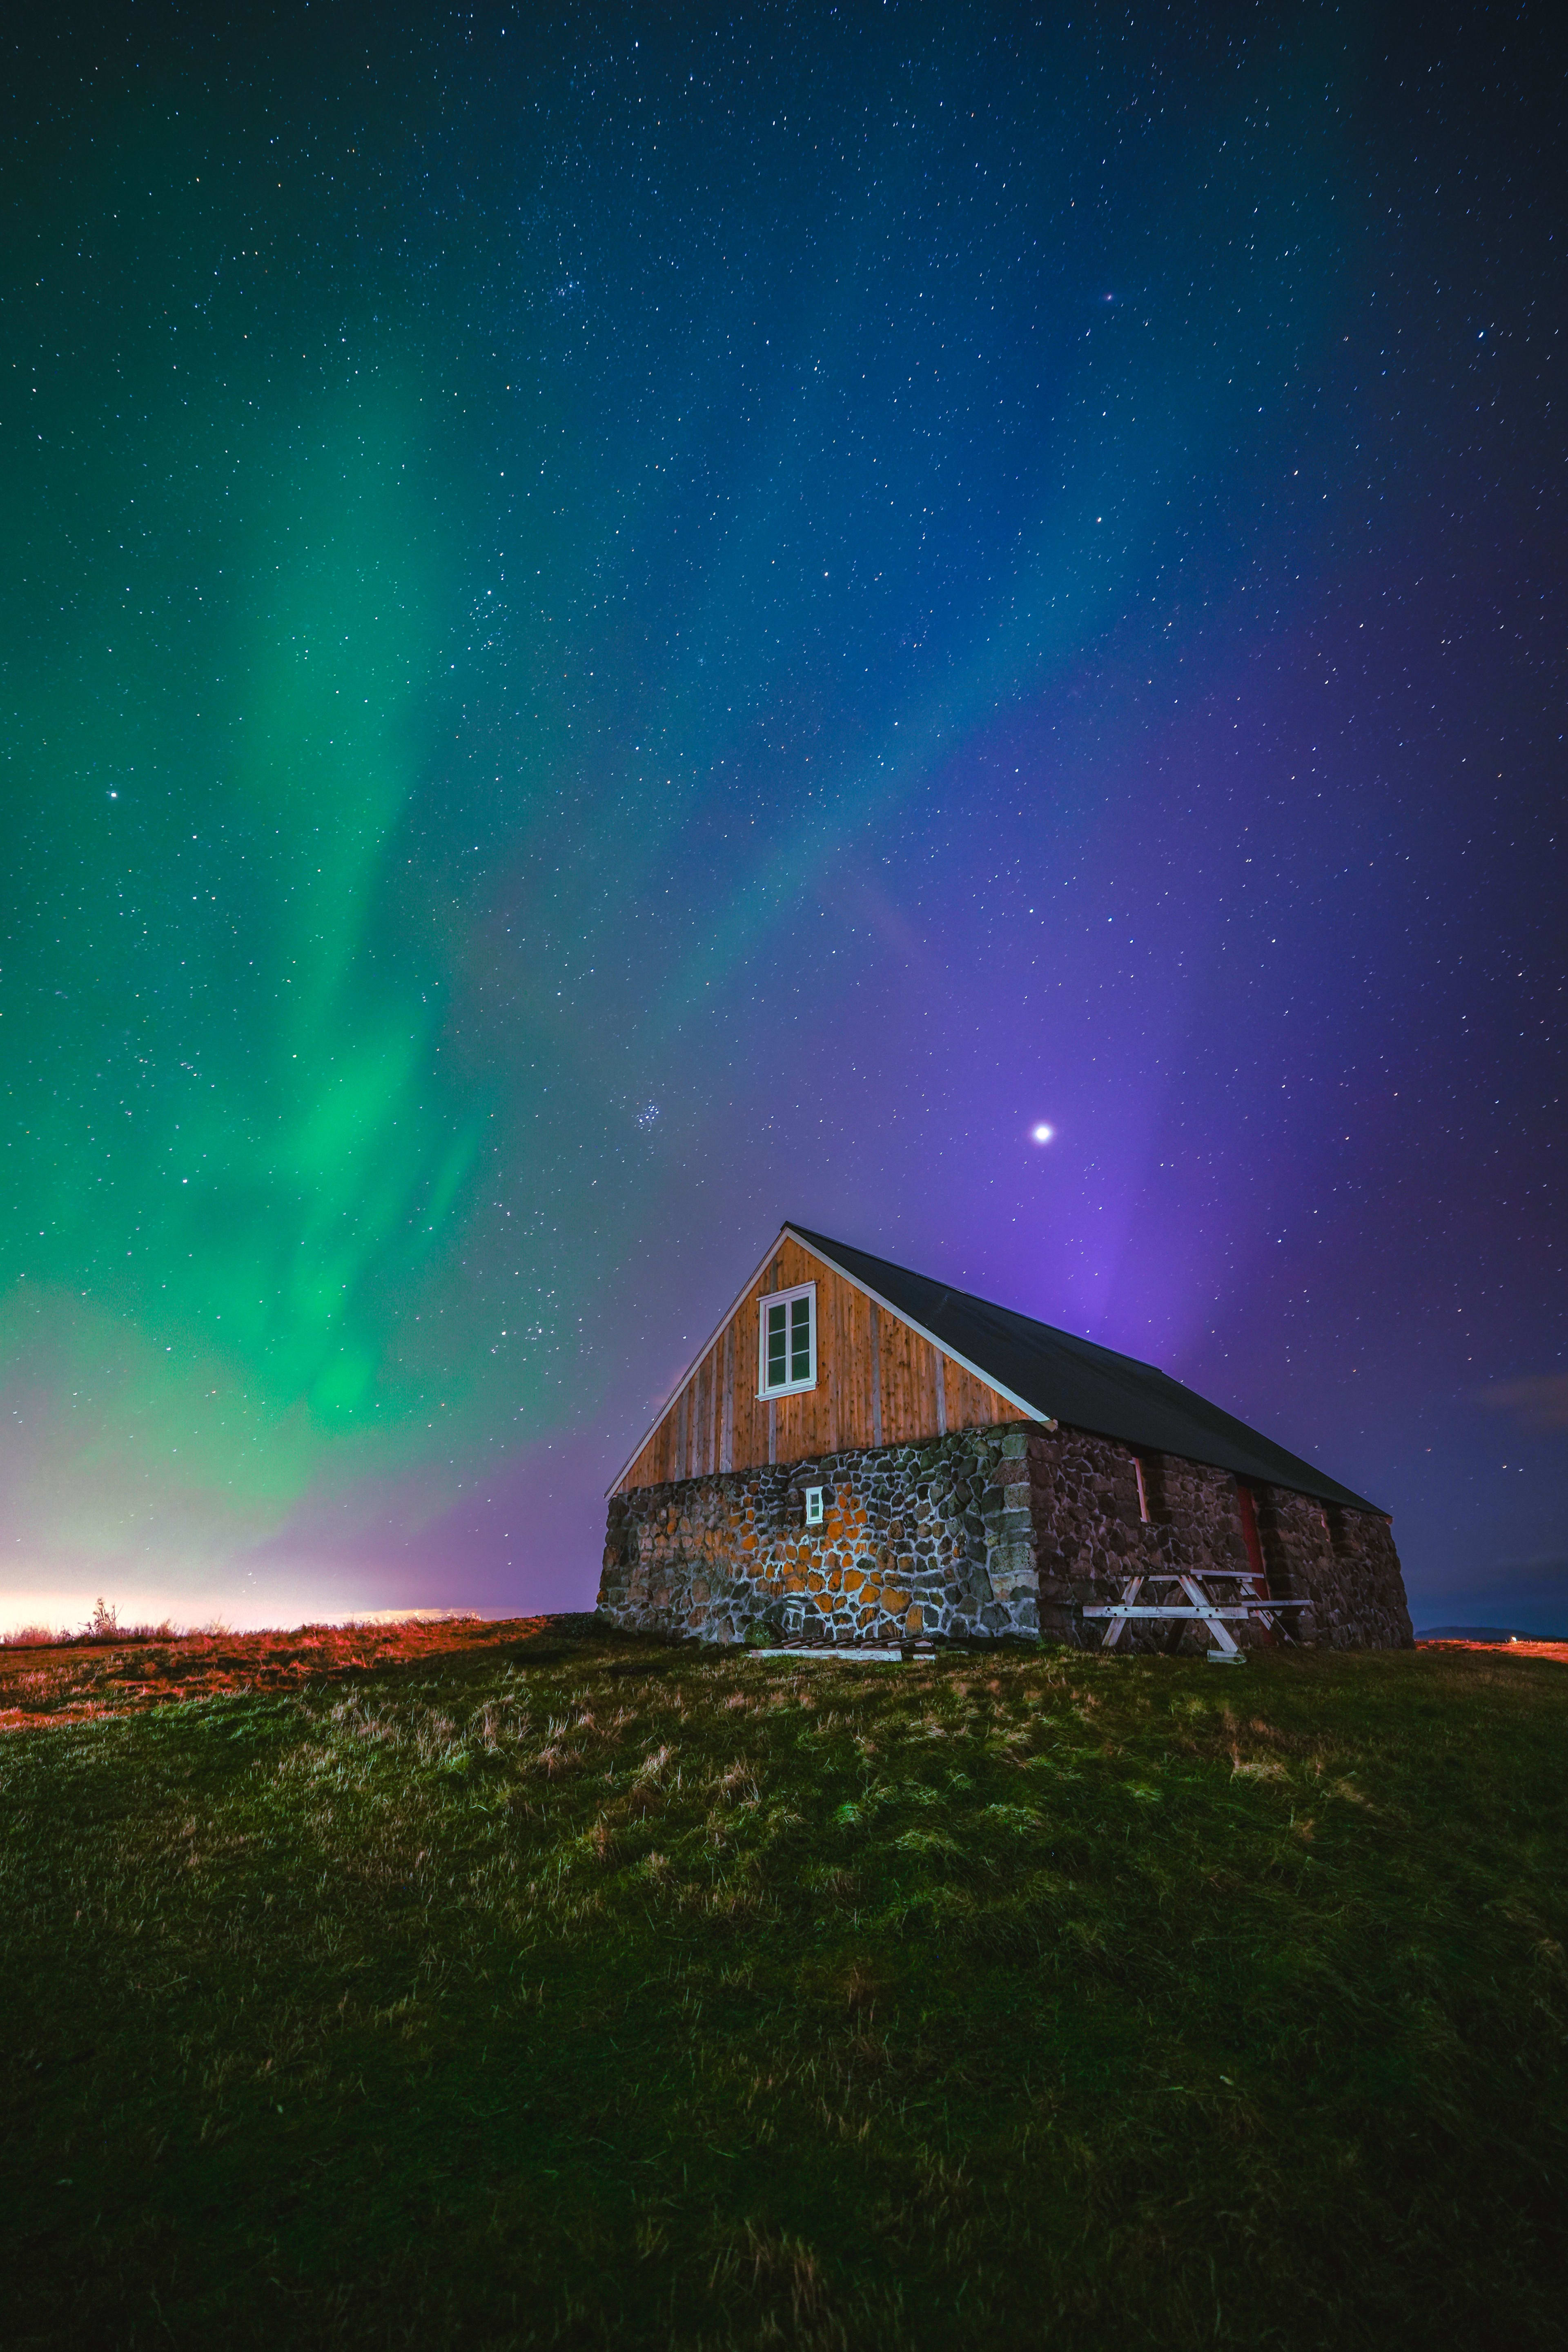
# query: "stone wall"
[915,1540]
[983,1533]
[1344,1562]
[1090,1535]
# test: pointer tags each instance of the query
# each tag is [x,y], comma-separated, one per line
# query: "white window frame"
[782,1298]
[814,1510]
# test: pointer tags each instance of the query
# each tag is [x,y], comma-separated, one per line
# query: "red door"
[1254,1542]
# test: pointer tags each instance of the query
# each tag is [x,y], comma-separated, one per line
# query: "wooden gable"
[878,1383]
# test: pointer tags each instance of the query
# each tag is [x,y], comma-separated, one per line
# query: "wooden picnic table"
[1200,1605]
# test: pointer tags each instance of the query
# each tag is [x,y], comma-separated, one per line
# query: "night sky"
[625,624]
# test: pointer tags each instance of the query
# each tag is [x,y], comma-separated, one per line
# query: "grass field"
[525,1985]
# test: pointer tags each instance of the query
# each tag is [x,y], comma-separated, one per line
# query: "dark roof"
[1076,1381]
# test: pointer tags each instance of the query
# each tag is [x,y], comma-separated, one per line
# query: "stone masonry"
[1090,1535]
[981,1534]
[915,1540]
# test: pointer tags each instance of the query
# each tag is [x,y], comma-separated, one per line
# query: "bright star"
[1042,1134]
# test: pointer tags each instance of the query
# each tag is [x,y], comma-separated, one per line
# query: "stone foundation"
[915,1540]
[983,1534]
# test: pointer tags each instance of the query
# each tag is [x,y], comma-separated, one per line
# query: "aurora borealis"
[620,627]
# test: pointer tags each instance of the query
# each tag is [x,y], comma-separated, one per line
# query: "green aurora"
[246,1151]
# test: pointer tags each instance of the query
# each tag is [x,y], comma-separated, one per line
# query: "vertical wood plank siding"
[876,1317]
[878,1384]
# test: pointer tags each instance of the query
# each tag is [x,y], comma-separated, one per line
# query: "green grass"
[575,1992]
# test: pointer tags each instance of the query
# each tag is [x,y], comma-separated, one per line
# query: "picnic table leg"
[1117,1625]
[1219,1632]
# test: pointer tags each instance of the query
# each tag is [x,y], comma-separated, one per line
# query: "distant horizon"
[151,1627]
[1486,1633]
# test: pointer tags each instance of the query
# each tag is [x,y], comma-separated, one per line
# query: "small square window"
[814,1507]
[787,1341]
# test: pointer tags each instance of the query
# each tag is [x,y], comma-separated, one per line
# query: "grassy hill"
[541,1987]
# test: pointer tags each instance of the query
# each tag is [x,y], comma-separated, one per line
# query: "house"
[859,1454]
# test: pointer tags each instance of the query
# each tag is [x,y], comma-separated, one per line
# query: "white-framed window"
[786,1341]
[814,1507]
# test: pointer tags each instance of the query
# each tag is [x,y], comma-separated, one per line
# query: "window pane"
[800,1339]
[777,1368]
